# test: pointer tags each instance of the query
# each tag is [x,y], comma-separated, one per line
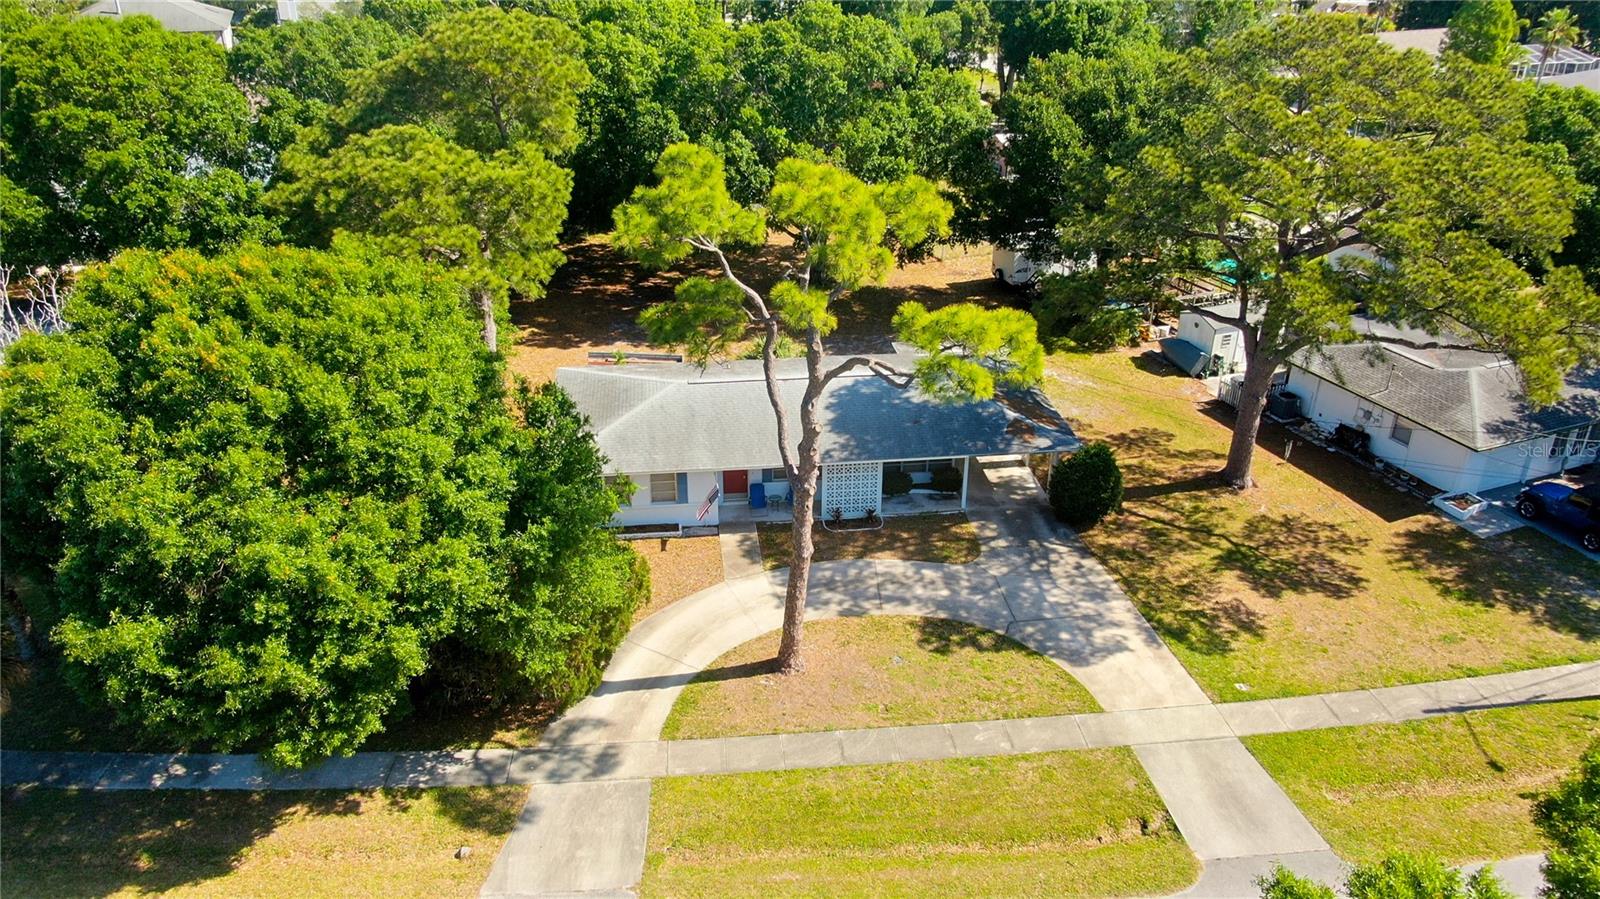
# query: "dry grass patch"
[935,537]
[226,843]
[875,672]
[1319,579]
[1058,824]
[679,567]
[1458,787]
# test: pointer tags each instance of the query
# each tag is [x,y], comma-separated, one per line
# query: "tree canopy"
[444,152]
[1569,117]
[275,486]
[1073,118]
[486,78]
[302,70]
[1484,31]
[118,133]
[1034,29]
[1307,136]
[492,219]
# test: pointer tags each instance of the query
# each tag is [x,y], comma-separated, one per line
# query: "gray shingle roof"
[678,417]
[1472,398]
[174,15]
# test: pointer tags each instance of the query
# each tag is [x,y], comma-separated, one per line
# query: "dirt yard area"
[949,538]
[679,567]
[594,301]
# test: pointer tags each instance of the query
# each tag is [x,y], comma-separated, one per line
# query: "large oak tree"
[843,231]
[1305,136]
[269,489]
[118,133]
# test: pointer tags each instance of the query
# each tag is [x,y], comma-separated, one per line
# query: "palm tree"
[1557,29]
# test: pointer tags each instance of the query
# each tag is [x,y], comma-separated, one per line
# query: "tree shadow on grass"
[1175,560]
[70,842]
[942,636]
[481,811]
[82,843]
[1523,570]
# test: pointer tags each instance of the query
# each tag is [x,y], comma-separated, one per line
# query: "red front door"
[735,483]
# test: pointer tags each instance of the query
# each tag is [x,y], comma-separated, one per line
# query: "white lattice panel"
[854,487]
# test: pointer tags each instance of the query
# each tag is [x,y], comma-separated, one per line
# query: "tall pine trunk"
[808,470]
[485,303]
[1247,423]
[794,600]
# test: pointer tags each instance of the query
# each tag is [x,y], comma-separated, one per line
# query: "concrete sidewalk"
[613,761]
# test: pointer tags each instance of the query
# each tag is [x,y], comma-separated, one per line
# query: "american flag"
[705,507]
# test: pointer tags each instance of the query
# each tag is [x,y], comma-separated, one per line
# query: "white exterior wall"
[642,511]
[1203,332]
[1519,462]
[1429,456]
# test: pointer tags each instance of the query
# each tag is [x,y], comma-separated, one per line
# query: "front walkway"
[741,547]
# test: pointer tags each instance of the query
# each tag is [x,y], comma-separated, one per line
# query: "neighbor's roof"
[1589,78]
[679,417]
[1428,40]
[174,15]
[1558,56]
[1472,398]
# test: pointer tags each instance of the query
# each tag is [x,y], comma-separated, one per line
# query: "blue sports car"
[1571,509]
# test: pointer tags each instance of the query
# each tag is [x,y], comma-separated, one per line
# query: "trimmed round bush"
[947,480]
[896,483]
[1086,486]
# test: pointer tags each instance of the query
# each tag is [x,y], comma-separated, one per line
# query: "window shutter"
[683,486]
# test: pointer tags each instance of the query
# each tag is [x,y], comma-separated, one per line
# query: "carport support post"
[966,473]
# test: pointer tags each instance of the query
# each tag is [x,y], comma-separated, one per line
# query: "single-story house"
[1455,419]
[693,440]
[183,16]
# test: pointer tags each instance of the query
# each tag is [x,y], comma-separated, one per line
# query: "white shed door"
[854,487]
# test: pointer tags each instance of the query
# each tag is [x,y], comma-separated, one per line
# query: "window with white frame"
[773,476]
[1400,431]
[671,487]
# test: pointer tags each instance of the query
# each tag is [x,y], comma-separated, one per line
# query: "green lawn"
[875,672]
[1058,824]
[1320,578]
[225,843]
[1457,786]
[947,538]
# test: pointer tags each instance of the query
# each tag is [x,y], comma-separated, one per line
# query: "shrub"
[1086,486]
[1073,310]
[896,483]
[1285,884]
[947,480]
[1398,876]
[1569,817]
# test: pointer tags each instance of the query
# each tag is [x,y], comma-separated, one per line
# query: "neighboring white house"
[185,16]
[1568,66]
[1455,419]
[693,440]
